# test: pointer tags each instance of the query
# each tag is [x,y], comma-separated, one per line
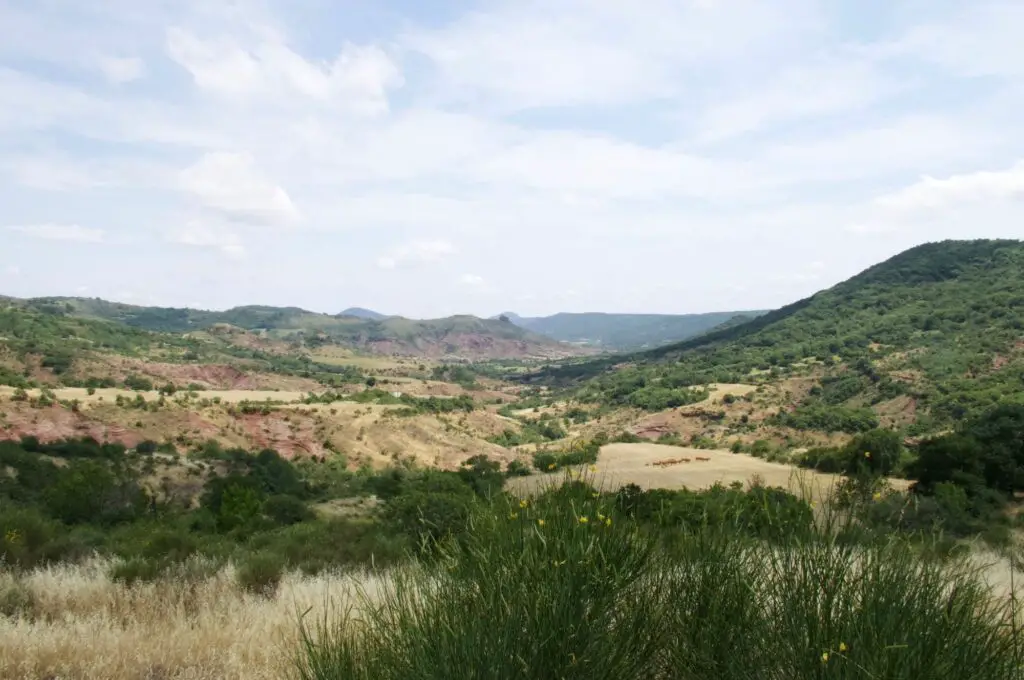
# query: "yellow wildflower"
[843,647]
[523,503]
[877,496]
[600,516]
[513,515]
[556,563]
[540,522]
[867,454]
[551,466]
[584,519]
[824,657]
[596,494]
[607,521]
[593,468]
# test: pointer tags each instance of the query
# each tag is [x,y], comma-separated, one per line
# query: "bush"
[545,461]
[286,510]
[137,570]
[823,459]
[828,419]
[567,587]
[261,574]
[25,537]
[517,468]
[138,383]
[146,447]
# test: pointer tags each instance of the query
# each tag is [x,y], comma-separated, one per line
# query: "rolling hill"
[462,337]
[363,313]
[624,332]
[937,331]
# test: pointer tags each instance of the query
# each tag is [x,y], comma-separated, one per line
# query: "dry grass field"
[72,622]
[75,623]
[621,464]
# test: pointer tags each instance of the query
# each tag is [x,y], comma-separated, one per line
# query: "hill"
[920,340]
[362,313]
[458,337]
[622,332]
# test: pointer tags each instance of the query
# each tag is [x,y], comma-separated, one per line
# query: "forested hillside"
[941,324]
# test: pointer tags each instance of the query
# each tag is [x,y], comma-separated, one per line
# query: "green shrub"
[261,574]
[517,468]
[283,509]
[565,586]
[146,447]
[138,383]
[137,570]
[545,461]
[823,459]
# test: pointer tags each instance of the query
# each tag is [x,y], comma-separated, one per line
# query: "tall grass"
[76,622]
[564,587]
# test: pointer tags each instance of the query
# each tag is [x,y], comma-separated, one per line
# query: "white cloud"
[231,185]
[122,69]
[60,232]
[196,233]
[839,85]
[12,270]
[574,138]
[932,193]
[541,54]
[978,39]
[471,280]
[359,78]
[416,252]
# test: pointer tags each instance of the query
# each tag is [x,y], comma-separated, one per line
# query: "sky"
[428,158]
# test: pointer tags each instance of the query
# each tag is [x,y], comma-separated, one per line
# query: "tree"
[239,506]
[89,491]
[876,452]
[952,458]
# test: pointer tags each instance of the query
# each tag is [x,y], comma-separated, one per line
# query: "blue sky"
[430,158]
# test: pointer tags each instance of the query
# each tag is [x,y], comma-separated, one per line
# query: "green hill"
[363,313]
[942,324]
[457,336]
[621,332]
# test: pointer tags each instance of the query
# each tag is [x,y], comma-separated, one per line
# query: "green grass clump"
[567,586]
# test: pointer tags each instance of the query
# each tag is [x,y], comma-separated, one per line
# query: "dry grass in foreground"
[73,622]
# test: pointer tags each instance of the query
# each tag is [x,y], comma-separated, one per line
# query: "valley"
[251,453]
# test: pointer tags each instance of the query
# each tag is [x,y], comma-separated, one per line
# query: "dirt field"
[621,464]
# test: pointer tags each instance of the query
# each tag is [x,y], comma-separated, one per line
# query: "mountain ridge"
[460,336]
[622,331]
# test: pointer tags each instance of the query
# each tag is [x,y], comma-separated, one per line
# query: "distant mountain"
[623,332]
[362,313]
[464,337]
